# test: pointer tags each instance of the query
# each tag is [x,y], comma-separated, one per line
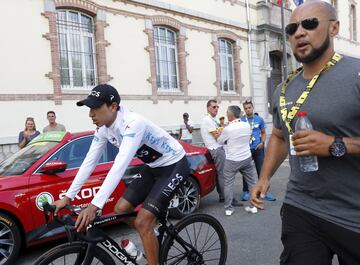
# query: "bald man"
[321,210]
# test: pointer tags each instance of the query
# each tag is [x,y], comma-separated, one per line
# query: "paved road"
[252,239]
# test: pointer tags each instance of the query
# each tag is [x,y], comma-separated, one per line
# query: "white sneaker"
[229,212]
[251,209]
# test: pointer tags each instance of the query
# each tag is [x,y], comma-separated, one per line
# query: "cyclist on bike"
[166,165]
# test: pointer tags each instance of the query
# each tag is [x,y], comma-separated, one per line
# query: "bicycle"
[197,239]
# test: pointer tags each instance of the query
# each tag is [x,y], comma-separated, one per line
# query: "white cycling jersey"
[134,135]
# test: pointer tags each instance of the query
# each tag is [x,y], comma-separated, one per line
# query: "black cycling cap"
[100,95]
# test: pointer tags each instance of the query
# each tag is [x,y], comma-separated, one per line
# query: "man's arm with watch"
[320,144]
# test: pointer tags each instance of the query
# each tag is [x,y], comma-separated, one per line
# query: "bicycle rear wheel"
[205,234]
[73,254]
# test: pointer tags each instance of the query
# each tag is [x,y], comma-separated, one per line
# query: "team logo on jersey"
[42,198]
[113,141]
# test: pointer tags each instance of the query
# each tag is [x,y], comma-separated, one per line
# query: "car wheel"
[189,199]
[10,240]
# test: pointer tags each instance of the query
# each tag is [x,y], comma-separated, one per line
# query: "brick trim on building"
[54,75]
[100,42]
[78,96]
[181,53]
[79,5]
[234,39]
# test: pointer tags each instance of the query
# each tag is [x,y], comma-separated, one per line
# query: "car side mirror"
[53,167]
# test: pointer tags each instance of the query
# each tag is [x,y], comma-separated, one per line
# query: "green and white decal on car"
[43,197]
[53,136]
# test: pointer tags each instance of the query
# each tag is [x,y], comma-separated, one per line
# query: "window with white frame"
[226,65]
[76,49]
[167,77]
[353,31]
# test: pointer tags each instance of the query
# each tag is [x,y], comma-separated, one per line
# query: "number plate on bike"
[174,202]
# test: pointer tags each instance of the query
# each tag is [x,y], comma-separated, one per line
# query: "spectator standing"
[257,143]
[321,211]
[186,129]
[209,126]
[28,133]
[222,121]
[235,138]
[53,125]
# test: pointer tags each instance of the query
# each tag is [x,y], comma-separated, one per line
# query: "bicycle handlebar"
[65,219]
[48,207]
[68,222]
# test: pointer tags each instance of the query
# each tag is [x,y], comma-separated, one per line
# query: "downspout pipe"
[284,76]
[249,48]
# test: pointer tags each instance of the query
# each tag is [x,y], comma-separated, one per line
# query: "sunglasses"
[308,24]
[214,107]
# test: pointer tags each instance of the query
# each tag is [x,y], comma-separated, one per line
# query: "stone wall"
[7,150]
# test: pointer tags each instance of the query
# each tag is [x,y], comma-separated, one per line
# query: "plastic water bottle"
[131,249]
[307,163]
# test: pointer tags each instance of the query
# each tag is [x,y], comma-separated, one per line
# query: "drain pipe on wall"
[249,48]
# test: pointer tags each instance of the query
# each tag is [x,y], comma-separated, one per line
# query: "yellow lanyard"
[289,116]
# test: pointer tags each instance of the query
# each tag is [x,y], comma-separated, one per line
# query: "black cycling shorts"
[311,240]
[157,186]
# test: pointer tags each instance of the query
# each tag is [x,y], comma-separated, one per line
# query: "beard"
[315,53]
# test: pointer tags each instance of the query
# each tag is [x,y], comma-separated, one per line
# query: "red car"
[44,170]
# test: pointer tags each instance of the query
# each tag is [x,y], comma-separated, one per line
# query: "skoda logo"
[43,197]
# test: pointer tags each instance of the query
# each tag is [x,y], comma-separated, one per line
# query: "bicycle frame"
[95,235]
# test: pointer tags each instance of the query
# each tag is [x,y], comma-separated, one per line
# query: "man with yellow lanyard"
[321,210]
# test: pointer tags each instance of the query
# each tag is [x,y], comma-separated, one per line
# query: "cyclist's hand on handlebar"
[59,204]
[86,217]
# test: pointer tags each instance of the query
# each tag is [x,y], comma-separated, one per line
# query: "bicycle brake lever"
[47,208]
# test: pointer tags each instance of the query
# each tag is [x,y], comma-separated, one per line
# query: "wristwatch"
[337,148]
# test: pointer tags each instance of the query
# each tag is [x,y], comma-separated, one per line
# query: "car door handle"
[101,178]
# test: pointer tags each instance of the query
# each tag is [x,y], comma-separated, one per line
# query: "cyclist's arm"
[130,144]
[88,165]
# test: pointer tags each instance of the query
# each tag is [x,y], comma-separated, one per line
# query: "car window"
[196,162]
[19,162]
[74,153]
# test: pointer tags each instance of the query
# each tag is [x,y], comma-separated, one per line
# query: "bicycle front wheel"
[73,254]
[205,234]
